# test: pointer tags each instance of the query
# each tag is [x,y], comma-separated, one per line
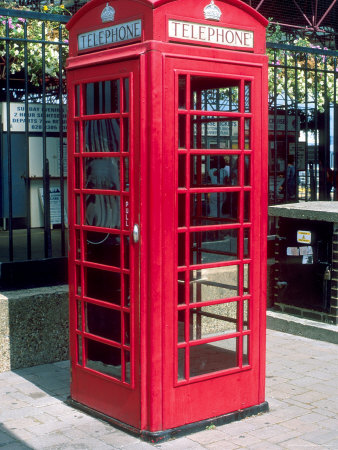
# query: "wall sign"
[304,237]
[55,205]
[210,34]
[114,34]
[35,117]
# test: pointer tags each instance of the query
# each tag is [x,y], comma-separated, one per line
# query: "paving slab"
[301,390]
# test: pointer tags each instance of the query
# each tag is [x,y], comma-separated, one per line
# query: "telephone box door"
[216,362]
[104,268]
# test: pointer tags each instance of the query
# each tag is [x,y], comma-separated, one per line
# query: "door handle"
[136,233]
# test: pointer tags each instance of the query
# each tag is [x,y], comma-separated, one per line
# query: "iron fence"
[33,229]
[303,139]
[303,124]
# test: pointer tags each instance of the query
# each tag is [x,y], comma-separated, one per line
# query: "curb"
[302,327]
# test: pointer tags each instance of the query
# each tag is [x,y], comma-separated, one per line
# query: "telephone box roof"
[158,3]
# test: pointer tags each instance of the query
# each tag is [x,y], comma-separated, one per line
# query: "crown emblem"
[108,14]
[212,12]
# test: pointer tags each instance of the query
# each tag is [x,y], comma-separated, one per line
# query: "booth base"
[173,433]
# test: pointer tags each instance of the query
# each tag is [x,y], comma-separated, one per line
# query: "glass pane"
[126,174]
[181,249]
[213,357]
[181,287]
[246,324]
[181,326]
[246,246]
[182,131]
[103,285]
[126,329]
[126,95]
[247,170]
[79,315]
[126,135]
[181,211]
[213,132]
[214,94]
[247,96]
[247,125]
[77,100]
[77,137]
[77,245]
[102,211]
[199,209]
[77,164]
[214,320]
[247,213]
[102,97]
[101,173]
[78,281]
[79,349]
[246,347]
[230,207]
[102,135]
[246,279]
[103,322]
[103,358]
[214,208]
[126,291]
[182,91]
[181,171]
[127,366]
[213,246]
[102,248]
[78,209]
[126,252]
[214,170]
[213,284]
[181,364]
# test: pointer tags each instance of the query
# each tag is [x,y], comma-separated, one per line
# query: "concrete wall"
[33,327]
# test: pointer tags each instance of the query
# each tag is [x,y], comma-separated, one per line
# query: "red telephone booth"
[167,212]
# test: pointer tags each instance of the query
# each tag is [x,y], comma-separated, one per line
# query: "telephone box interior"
[167,141]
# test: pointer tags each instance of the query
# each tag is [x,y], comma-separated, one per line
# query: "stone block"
[33,327]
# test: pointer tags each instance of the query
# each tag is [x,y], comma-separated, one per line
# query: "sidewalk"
[302,391]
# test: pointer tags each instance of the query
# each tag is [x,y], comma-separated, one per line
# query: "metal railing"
[303,139]
[303,124]
[33,49]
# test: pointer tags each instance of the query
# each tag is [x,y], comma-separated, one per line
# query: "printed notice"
[292,251]
[307,259]
[304,251]
[55,205]
[304,237]
[37,118]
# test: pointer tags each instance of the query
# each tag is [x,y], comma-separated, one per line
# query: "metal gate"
[303,123]
[33,227]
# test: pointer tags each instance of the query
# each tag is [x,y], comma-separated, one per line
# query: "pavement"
[302,391]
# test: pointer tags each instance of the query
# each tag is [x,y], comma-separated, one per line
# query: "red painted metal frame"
[237,387]
[89,386]
[155,400]
[238,262]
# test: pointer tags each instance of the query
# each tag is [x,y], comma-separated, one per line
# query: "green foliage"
[34,32]
[297,77]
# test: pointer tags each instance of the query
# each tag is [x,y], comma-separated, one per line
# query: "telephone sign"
[167,142]
[110,35]
[204,34]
